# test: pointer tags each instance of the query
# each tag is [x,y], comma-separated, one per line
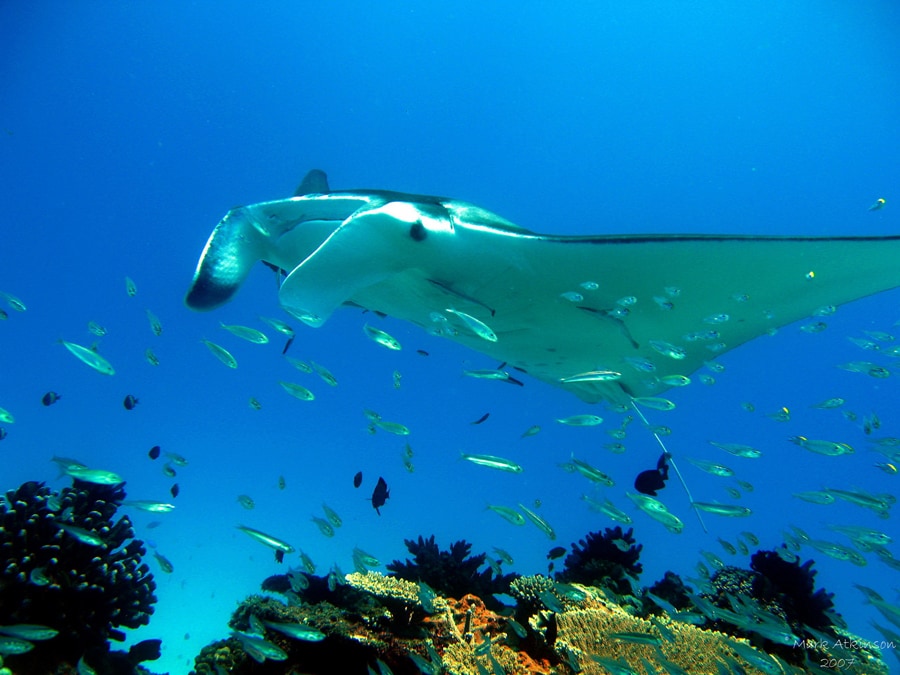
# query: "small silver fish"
[221,353]
[380,337]
[90,358]
[480,329]
[246,333]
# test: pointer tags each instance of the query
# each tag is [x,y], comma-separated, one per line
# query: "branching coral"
[605,560]
[64,563]
[452,573]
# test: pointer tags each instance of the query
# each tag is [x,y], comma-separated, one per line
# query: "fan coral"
[452,573]
[605,560]
[65,564]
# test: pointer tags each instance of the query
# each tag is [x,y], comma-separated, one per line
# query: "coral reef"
[606,560]
[65,564]
[379,623]
[453,573]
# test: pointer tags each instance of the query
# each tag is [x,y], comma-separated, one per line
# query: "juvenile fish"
[332,515]
[324,526]
[155,323]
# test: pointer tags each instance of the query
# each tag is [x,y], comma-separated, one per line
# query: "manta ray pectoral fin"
[370,246]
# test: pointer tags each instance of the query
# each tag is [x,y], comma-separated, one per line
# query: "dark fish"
[648,482]
[357,479]
[421,352]
[281,483]
[50,398]
[154,452]
[279,556]
[557,552]
[512,380]
[129,402]
[287,345]
[482,418]
[380,494]
[175,490]
[2,433]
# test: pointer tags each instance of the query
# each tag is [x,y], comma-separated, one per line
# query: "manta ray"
[607,317]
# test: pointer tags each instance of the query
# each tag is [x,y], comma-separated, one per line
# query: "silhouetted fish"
[380,494]
[357,479]
[154,452]
[175,490]
[482,418]
[50,398]
[129,402]
[648,482]
[557,552]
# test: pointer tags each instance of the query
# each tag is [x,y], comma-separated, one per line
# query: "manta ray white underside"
[559,306]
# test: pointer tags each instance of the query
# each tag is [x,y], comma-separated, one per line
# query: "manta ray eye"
[417,231]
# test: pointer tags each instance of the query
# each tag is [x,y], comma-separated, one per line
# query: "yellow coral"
[391,588]
[583,633]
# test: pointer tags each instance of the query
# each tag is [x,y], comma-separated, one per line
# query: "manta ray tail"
[671,461]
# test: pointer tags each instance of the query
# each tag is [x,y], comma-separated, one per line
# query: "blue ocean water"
[129,129]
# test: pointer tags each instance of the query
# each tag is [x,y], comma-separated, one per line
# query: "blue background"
[129,129]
